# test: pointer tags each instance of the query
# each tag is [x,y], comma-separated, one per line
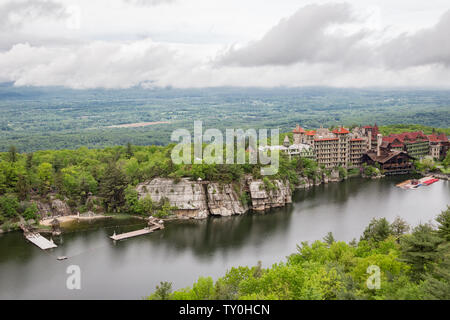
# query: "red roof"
[441,138]
[325,139]
[298,130]
[341,130]
[411,137]
[433,138]
[310,133]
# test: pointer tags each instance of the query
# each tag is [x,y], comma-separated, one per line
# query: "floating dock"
[153,223]
[37,239]
[414,184]
[40,241]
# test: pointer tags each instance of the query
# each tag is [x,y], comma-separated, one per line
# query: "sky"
[212,43]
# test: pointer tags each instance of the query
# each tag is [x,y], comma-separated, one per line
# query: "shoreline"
[64,219]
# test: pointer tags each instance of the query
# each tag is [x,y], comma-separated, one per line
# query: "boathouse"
[391,162]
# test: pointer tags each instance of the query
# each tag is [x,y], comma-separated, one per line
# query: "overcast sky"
[204,43]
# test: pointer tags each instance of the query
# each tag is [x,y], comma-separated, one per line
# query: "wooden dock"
[40,241]
[37,239]
[153,223]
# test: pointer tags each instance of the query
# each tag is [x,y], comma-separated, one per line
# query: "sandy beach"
[64,219]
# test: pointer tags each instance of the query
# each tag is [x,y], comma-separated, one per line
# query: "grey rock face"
[188,196]
[197,200]
[223,200]
[60,208]
[263,199]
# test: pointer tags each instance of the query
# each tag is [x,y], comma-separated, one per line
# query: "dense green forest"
[58,118]
[413,265]
[104,180]
[399,128]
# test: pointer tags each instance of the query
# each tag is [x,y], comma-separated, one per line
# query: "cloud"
[425,47]
[149,3]
[310,48]
[13,14]
[304,37]
[91,65]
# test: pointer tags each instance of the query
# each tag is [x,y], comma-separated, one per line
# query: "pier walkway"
[37,239]
[153,223]
[40,241]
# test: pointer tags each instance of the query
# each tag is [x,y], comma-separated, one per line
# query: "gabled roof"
[298,129]
[386,156]
[310,133]
[325,139]
[341,130]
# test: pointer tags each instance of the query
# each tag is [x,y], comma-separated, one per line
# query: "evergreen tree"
[29,162]
[329,238]
[437,284]
[129,151]
[112,187]
[163,291]
[444,224]
[12,154]
[399,227]
[419,249]
[378,230]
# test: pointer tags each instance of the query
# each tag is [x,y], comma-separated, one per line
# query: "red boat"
[428,182]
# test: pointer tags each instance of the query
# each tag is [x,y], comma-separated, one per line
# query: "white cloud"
[304,37]
[424,47]
[318,45]
[149,2]
[13,14]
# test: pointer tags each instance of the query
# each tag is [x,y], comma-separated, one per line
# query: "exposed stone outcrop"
[223,200]
[189,197]
[264,198]
[60,208]
[54,207]
[319,178]
[198,199]
[44,209]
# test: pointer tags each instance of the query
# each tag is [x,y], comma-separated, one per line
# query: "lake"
[187,249]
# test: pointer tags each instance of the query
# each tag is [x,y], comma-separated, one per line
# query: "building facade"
[338,147]
[417,144]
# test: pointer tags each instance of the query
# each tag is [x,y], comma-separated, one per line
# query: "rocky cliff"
[53,207]
[188,196]
[264,198]
[319,178]
[198,199]
[224,200]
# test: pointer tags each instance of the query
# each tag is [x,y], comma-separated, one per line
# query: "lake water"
[186,250]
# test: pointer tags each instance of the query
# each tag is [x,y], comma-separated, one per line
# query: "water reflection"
[185,250]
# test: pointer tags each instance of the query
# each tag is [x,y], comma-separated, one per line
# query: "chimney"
[379,141]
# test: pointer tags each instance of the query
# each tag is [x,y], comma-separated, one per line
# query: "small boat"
[431,181]
[60,258]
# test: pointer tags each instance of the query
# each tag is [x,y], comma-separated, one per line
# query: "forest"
[41,118]
[104,180]
[412,264]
